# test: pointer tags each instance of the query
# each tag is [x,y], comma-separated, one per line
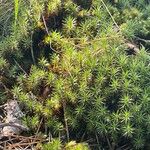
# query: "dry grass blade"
[21,142]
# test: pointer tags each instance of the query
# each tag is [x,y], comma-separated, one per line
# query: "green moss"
[79,78]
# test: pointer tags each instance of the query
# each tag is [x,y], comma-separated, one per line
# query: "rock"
[12,124]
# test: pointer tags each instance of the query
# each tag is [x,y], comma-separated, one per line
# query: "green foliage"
[133,18]
[32,122]
[76,146]
[54,145]
[93,89]
[53,6]
[82,84]
[16,10]
[3,63]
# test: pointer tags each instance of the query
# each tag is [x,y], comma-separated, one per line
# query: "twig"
[32,53]
[28,143]
[8,140]
[46,28]
[26,147]
[14,125]
[38,129]
[49,136]
[6,89]
[110,147]
[45,24]
[65,119]
[97,141]
[20,67]
[24,141]
[144,40]
[18,136]
[110,15]
[24,144]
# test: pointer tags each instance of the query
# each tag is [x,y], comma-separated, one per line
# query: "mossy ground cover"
[68,64]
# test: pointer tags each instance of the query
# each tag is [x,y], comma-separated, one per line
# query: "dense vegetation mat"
[80,71]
